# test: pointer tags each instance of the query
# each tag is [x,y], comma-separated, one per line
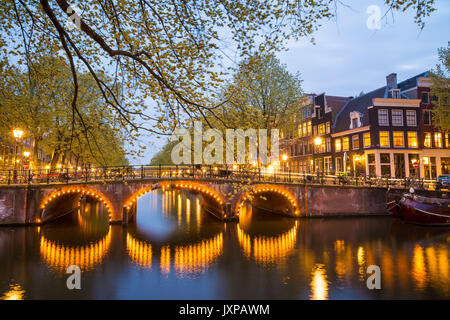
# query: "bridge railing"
[222,172]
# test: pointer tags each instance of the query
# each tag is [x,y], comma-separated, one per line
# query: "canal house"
[386,132]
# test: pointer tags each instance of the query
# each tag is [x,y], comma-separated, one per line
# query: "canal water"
[176,250]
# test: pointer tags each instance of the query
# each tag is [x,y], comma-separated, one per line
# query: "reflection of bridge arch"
[268,189]
[59,256]
[268,249]
[76,190]
[186,185]
[194,258]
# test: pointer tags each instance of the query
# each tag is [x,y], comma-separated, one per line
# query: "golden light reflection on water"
[319,283]
[197,258]
[59,256]
[268,249]
[15,293]
[421,267]
[418,271]
[188,259]
[140,252]
[361,256]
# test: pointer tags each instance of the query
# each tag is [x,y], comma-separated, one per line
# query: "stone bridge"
[34,204]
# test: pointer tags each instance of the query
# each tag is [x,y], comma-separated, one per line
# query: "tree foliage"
[262,95]
[39,102]
[441,89]
[168,53]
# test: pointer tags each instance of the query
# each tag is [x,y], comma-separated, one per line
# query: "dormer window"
[355,119]
[395,93]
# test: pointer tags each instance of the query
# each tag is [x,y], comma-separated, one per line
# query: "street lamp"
[26,154]
[17,133]
[356,158]
[284,157]
[318,141]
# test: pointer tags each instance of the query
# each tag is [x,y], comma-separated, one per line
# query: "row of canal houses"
[386,132]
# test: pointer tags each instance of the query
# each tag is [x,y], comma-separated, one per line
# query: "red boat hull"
[420,213]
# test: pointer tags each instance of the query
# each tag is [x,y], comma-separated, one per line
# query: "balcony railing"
[200,172]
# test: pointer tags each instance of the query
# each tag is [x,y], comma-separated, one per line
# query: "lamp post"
[355,159]
[318,143]
[284,157]
[17,133]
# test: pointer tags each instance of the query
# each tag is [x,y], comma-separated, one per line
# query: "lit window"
[328,127]
[367,142]
[355,142]
[438,140]
[446,141]
[412,139]
[384,139]
[337,145]
[398,139]
[304,129]
[322,129]
[345,144]
[383,118]
[427,140]
[397,117]
[328,144]
[411,120]
[300,133]
[309,128]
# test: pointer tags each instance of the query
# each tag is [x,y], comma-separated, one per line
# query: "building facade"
[387,132]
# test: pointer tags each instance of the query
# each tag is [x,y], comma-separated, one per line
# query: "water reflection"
[15,293]
[59,256]
[262,248]
[319,284]
[175,249]
[76,239]
[176,232]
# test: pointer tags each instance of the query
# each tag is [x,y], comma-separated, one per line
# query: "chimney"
[391,81]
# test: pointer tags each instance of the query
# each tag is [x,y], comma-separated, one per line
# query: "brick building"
[386,132]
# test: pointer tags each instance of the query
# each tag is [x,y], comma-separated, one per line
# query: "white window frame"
[392,115]
[387,117]
[395,93]
[415,118]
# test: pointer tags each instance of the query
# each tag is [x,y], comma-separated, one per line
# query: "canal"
[176,250]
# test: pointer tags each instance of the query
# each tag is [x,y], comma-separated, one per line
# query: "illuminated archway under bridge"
[31,203]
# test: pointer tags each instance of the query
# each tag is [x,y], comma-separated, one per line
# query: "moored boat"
[421,210]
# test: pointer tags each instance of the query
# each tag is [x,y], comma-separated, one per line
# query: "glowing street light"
[17,133]
[284,157]
[26,154]
[318,141]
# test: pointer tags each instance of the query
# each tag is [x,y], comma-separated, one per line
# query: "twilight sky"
[348,57]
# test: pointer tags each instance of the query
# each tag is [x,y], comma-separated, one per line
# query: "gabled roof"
[411,82]
[359,104]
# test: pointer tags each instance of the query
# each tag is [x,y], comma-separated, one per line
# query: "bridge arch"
[187,185]
[75,191]
[266,188]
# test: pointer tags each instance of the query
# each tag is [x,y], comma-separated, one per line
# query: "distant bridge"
[30,197]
